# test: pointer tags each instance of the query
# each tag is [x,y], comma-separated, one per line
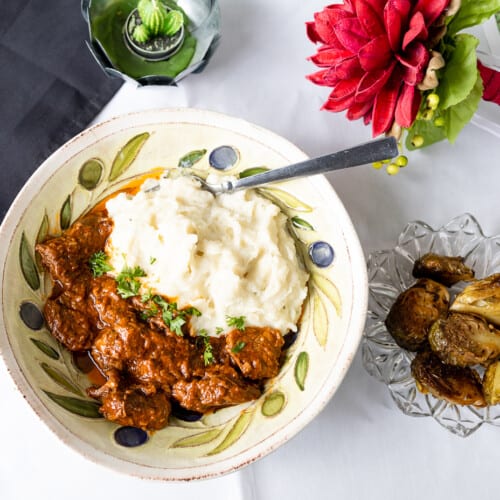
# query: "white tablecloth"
[361,445]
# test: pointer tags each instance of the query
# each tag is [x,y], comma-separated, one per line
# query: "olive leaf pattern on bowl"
[390,273]
[208,435]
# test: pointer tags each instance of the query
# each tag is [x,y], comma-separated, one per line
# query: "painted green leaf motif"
[287,199]
[189,159]
[43,231]
[320,320]
[45,348]
[27,263]
[236,431]
[197,439]
[77,406]
[273,404]
[59,378]
[329,289]
[301,224]
[127,155]
[301,369]
[90,173]
[252,171]
[65,215]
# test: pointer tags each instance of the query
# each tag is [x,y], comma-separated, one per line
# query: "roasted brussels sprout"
[491,384]
[481,297]
[464,340]
[444,270]
[455,384]
[414,311]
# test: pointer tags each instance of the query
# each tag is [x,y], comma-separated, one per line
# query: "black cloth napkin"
[50,85]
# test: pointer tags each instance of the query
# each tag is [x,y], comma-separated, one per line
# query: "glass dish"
[389,273]
[109,46]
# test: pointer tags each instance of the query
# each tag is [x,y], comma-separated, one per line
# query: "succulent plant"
[157,20]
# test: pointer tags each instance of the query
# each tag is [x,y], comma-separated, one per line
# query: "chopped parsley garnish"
[128,284]
[99,265]
[146,297]
[173,318]
[236,321]
[208,355]
[218,330]
[152,260]
[239,346]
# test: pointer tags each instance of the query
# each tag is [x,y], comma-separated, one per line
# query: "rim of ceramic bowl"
[357,313]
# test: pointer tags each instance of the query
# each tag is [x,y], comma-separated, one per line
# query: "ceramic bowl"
[390,273]
[97,162]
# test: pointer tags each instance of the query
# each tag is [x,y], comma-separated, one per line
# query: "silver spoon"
[378,150]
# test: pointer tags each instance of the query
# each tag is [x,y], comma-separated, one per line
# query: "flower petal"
[330,56]
[348,69]
[376,54]
[312,34]
[325,77]
[345,88]
[372,82]
[384,106]
[338,104]
[491,81]
[431,9]
[358,110]
[415,60]
[417,30]
[370,17]
[326,20]
[350,34]
[396,13]
[407,106]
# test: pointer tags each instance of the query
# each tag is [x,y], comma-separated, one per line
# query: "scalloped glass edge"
[389,273]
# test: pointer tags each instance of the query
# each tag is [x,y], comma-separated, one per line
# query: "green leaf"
[458,77]
[273,404]
[427,130]
[27,263]
[252,171]
[189,159]
[90,173]
[127,155]
[197,439]
[65,214]
[472,12]
[456,117]
[81,407]
[301,224]
[236,431]
[301,369]
[45,348]
[60,379]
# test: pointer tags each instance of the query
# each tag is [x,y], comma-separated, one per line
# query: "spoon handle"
[378,150]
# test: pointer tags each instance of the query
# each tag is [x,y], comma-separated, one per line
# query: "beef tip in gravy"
[147,366]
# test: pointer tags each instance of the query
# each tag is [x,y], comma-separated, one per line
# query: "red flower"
[374,53]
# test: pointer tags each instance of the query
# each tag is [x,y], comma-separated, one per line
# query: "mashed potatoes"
[229,255]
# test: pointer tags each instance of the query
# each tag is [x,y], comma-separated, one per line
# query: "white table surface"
[360,446]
